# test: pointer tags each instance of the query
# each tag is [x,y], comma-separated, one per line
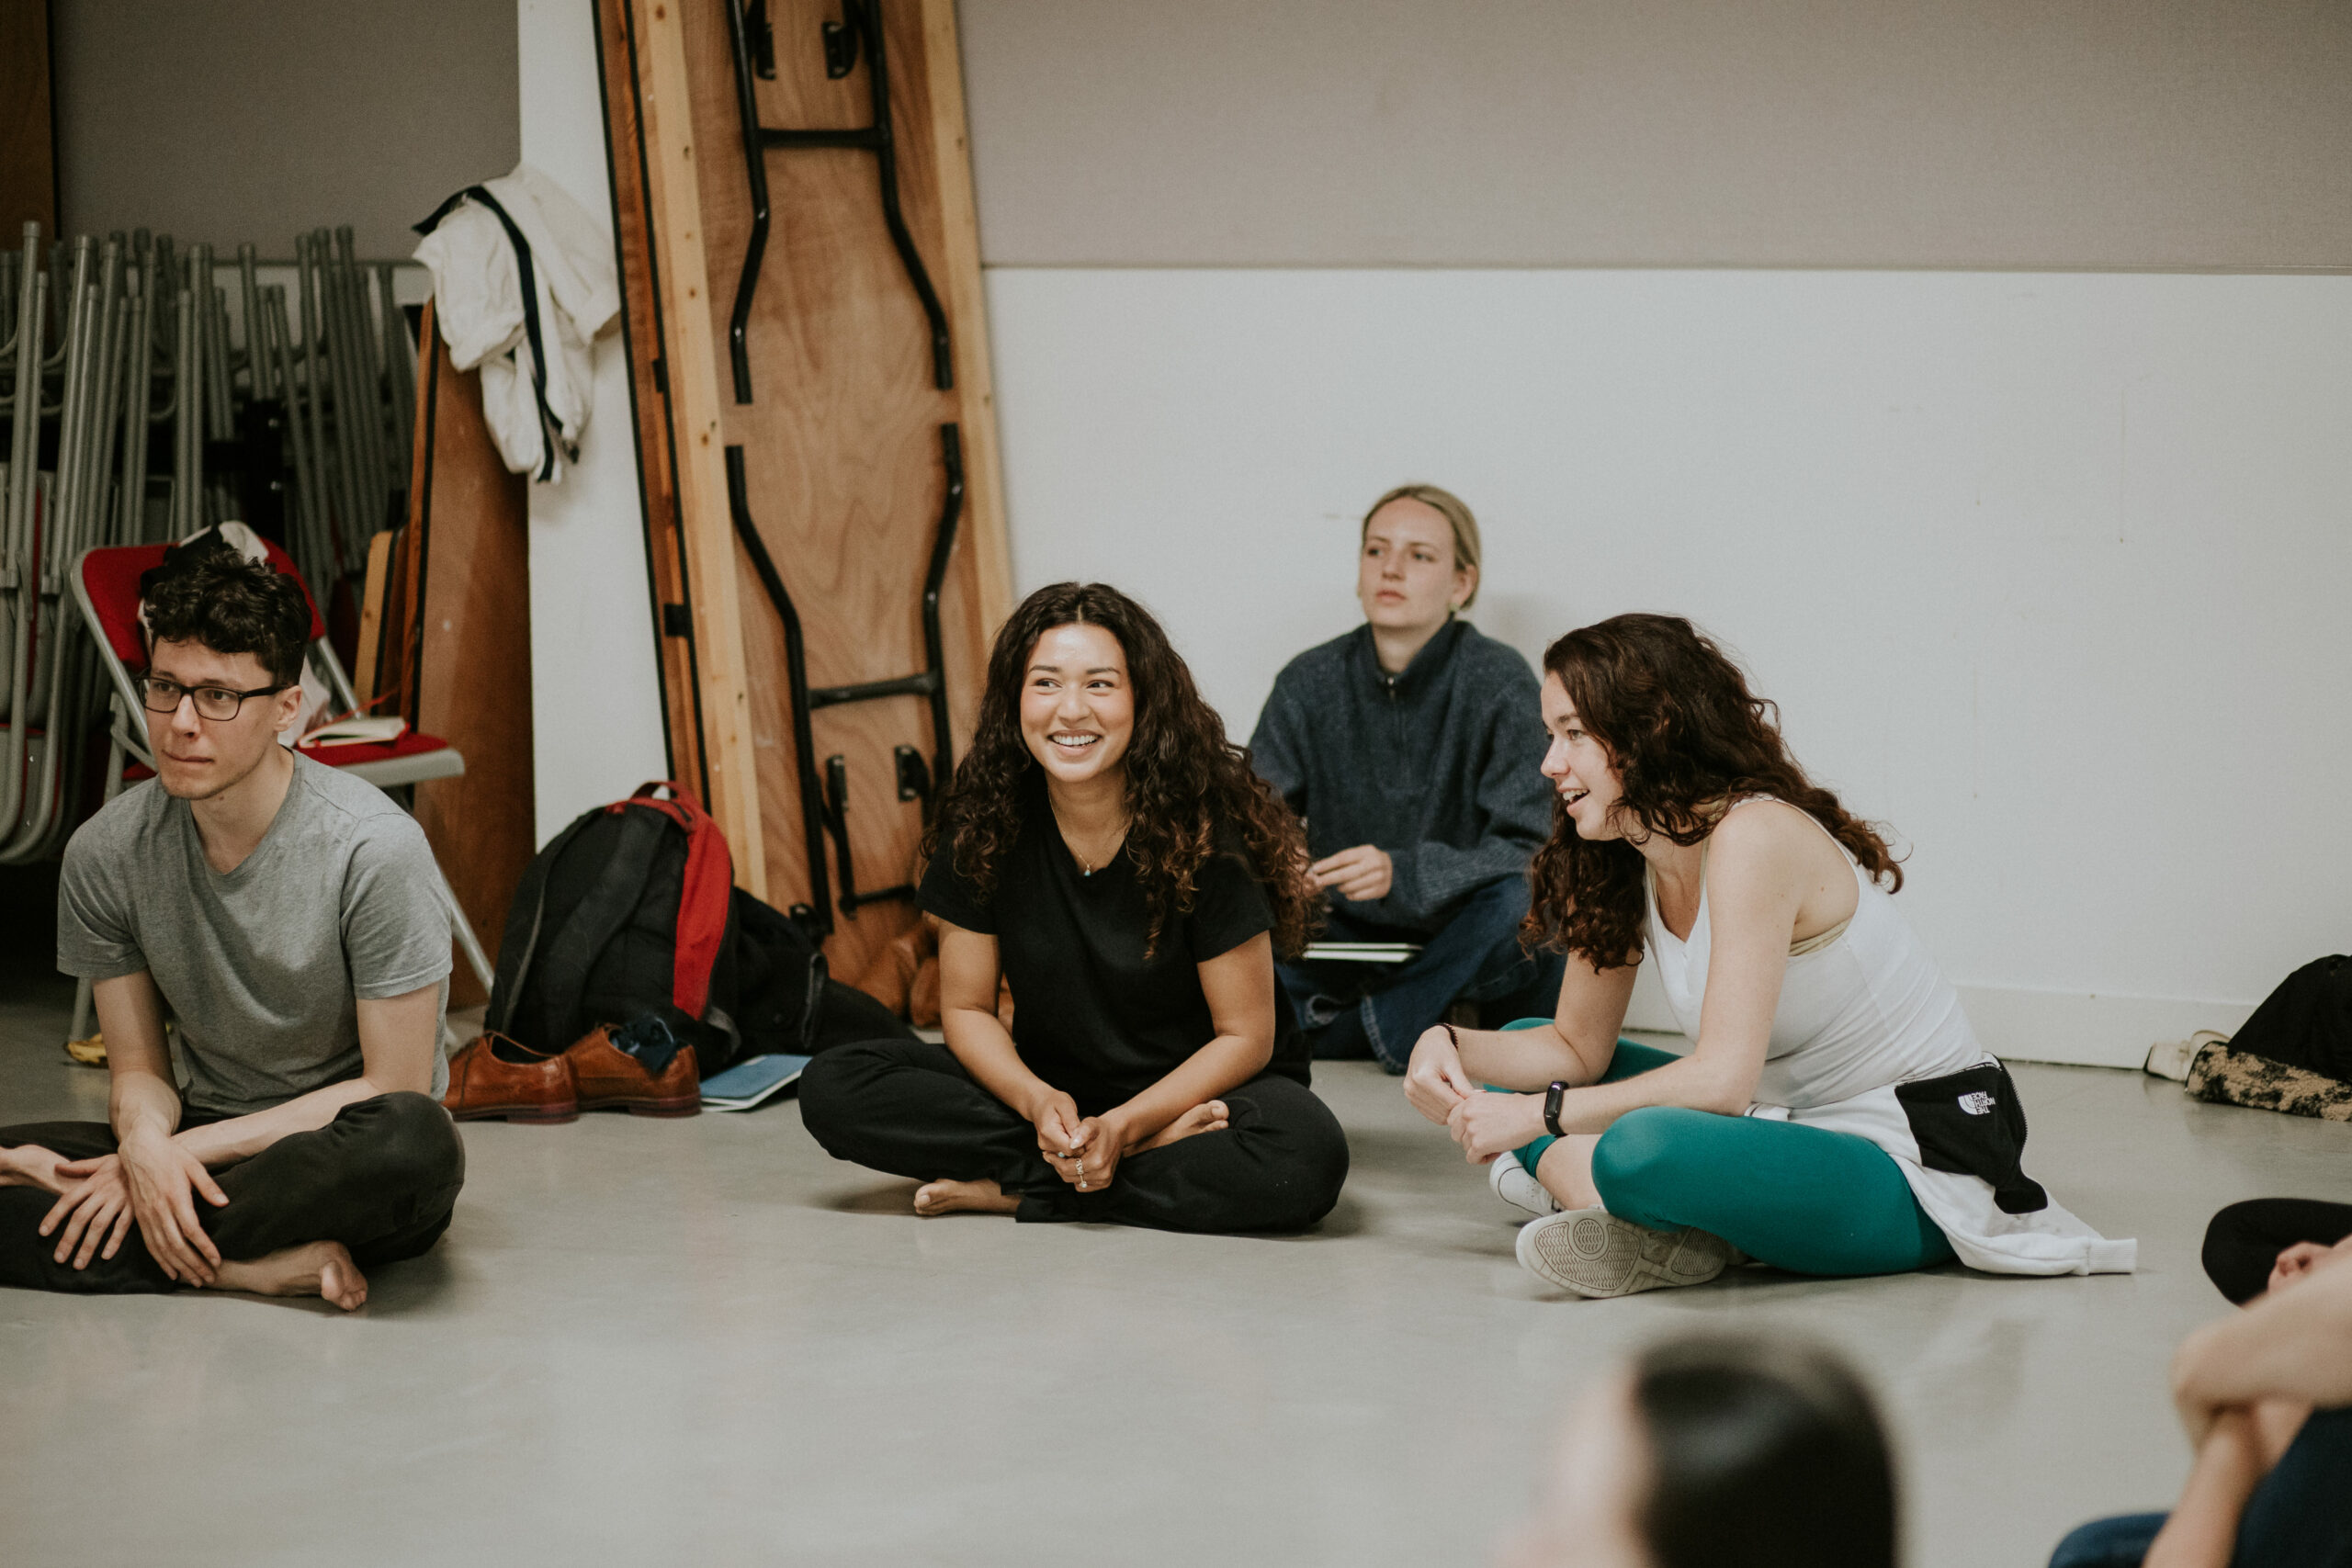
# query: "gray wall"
[2076,133]
[227,120]
[2093,133]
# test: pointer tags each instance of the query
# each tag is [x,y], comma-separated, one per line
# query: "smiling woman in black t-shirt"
[1108,852]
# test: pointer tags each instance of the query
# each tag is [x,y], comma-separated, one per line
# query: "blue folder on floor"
[747,1083]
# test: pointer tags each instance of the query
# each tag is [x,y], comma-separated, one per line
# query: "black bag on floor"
[2307,1022]
[632,910]
[628,911]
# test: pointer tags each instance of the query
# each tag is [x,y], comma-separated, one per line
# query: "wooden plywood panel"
[28,142]
[840,440]
[975,372]
[674,152]
[468,541]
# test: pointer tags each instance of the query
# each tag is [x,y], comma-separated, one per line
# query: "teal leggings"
[1803,1199]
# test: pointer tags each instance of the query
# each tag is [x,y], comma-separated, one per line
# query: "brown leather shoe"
[484,1084]
[610,1075]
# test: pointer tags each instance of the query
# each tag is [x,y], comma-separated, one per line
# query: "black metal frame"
[824,808]
[824,803]
[861,21]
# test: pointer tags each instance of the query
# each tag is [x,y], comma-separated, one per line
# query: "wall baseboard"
[2074,1028]
[2088,1029]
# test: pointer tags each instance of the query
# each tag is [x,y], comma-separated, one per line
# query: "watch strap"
[1552,1107]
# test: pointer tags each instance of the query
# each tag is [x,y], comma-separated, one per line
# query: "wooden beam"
[691,363]
[28,133]
[641,320]
[967,308]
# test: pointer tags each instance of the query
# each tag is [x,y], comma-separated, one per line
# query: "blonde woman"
[1410,748]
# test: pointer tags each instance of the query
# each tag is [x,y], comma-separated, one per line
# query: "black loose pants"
[908,1107]
[383,1178]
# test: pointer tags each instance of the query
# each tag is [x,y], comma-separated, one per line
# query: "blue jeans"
[2301,1517]
[1360,1010]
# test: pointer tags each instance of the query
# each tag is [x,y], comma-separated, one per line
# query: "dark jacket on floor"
[1437,765]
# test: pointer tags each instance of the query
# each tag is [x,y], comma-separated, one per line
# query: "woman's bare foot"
[1209,1116]
[315,1269]
[964,1197]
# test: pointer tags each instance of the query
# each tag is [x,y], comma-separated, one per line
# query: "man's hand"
[1359,875]
[93,1207]
[164,1179]
[1434,1081]
[1488,1124]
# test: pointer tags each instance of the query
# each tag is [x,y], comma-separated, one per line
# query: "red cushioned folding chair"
[106,584]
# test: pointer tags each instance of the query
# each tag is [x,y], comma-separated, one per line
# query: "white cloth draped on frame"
[523,283]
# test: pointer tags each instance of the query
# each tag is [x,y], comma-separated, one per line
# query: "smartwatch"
[1552,1108]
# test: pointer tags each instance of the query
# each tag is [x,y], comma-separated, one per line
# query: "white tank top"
[1866,1008]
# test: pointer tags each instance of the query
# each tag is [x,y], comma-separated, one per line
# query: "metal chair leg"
[467,944]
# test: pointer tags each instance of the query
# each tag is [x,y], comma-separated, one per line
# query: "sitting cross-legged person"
[1409,746]
[289,918]
[1107,852]
[2266,1398]
[1836,1114]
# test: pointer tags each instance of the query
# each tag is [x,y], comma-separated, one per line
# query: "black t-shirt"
[1091,1015]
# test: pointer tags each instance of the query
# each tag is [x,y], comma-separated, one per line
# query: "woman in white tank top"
[1835,1115]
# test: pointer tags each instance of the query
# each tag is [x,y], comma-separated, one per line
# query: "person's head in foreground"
[1417,560]
[225,639]
[1719,1453]
[1087,696]
[1654,733]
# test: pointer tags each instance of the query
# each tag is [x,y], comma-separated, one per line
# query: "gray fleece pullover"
[1437,765]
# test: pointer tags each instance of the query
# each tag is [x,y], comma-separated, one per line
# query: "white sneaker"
[2171,1058]
[1516,1185]
[1594,1253]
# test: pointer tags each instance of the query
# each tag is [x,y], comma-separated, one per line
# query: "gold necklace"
[1085,867]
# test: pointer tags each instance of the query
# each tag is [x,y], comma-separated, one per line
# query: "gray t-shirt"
[262,967]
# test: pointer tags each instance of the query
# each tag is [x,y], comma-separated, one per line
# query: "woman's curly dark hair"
[1185,781]
[1685,735]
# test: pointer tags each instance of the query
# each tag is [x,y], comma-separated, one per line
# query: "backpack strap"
[602,912]
[522,939]
[706,896]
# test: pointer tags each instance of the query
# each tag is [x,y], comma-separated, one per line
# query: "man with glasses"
[287,918]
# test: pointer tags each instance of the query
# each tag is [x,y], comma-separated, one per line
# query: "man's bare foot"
[1209,1116]
[315,1269]
[964,1197]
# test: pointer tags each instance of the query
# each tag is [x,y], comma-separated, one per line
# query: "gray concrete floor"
[658,1342]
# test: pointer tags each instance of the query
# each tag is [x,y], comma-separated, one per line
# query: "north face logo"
[1977,1104]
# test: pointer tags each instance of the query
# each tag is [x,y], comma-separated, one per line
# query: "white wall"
[596,693]
[2048,570]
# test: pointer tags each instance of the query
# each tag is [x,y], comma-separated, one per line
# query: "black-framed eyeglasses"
[218,703]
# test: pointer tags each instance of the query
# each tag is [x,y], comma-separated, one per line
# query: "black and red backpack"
[632,910]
